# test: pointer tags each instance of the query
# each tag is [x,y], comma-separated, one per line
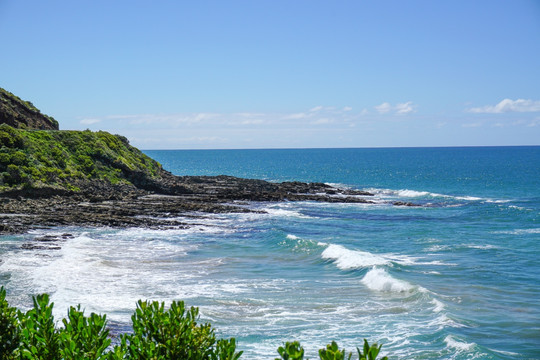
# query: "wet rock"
[402,203]
[102,204]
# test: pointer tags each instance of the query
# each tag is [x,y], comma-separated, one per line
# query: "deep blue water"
[457,278]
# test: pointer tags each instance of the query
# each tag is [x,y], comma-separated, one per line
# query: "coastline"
[102,204]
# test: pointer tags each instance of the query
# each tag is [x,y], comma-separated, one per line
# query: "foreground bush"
[157,334]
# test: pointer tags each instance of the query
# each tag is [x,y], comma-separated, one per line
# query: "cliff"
[40,161]
[23,114]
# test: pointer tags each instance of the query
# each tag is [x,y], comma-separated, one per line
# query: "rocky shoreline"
[101,204]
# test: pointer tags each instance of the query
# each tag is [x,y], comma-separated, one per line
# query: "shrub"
[15,176]
[39,338]
[18,158]
[158,333]
[84,337]
[171,334]
[294,351]
[9,329]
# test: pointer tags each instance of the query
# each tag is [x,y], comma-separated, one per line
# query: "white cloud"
[404,108]
[441,124]
[383,108]
[251,122]
[90,121]
[169,119]
[508,105]
[322,121]
[347,108]
[295,116]
[534,122]
[472,125]
[316,108]
[399,109]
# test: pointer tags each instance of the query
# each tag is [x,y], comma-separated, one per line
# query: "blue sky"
[280,74]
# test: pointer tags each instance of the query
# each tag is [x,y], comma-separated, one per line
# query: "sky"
[280,74]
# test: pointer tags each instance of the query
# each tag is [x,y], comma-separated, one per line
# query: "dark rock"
[102,204]
[402,203]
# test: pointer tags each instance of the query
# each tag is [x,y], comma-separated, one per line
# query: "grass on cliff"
[36,158]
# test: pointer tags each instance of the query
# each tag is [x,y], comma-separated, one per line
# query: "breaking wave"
[379,280]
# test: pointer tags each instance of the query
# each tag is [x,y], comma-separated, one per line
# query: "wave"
[413,193]
[404,193]
[471,198]
[480,247]
[458,345]
[339,185]
[346,259]
[439,306]
[519,231]
[408,193]
[286,213]
[379,280]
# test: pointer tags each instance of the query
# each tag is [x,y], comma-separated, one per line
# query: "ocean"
[456,278]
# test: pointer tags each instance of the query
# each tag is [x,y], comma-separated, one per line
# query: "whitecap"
[286,213]
[439,306]
[408,193]
[519,231]
[480,247]
[468,198]
[379,280]
[458,345]
[412,193]
[352,259]
[497,201]
[347,259]
[517,207]
[339,185]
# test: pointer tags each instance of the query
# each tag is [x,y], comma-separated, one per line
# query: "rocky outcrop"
[22,114]
[103,204]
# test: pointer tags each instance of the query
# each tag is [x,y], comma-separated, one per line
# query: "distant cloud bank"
[508,105]
[398,109]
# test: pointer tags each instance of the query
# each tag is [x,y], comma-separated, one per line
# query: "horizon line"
[351,147]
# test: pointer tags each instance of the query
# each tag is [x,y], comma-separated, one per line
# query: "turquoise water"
[457,278]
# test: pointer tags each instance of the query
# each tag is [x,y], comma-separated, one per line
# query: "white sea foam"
[439,306]
[412,193]
[347,259]
[279,212]
[518,207]
[339,185]
[292,237]
[352,259]
[468,198]
[519,231]
[379,280]
[458,345]
[408,193]
[480,247]
[437,248]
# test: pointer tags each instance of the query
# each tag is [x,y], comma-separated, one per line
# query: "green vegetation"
[157,334]
[36,158]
